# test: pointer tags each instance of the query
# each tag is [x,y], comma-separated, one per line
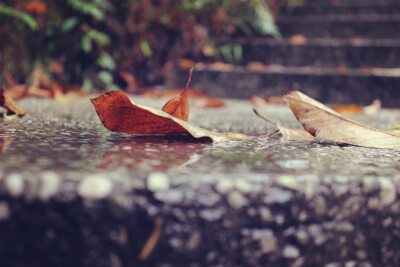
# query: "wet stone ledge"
[74,194]
[226,221]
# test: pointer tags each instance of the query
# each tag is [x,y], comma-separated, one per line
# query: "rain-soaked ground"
[77,189]
[68,139]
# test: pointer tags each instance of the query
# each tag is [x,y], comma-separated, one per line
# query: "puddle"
[73,139]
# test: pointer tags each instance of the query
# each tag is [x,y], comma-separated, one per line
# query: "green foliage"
[232,53]
[106,61]
[263,19]
[22,16]
[92,9]
[94,40]
[69,24]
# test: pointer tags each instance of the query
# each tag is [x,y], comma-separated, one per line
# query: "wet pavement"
[74,193]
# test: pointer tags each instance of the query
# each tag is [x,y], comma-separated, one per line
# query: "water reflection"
[28,148]
[5,143]
[153,153]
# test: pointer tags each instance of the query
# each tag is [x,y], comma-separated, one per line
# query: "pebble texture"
[74,194]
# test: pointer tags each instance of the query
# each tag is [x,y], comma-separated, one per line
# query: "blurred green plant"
[22,16]
[94,40]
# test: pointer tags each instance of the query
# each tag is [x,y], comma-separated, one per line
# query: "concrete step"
[330,84]
[340,10]
[352,53]
[343,26]
[351,2]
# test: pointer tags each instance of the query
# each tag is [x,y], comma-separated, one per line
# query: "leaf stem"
[190,78]
[264,117]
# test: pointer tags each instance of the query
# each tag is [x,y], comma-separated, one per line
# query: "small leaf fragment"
[352,109]
[288,133]
[9,104]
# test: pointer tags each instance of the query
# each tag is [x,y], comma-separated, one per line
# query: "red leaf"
[179,105]
[37,7]
[298,39]
[257,66]
[118,113]
[186,63]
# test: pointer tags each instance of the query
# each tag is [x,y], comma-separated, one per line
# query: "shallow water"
[64,138]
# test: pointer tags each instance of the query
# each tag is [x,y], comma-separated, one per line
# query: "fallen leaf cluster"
[40,86]
[118,113]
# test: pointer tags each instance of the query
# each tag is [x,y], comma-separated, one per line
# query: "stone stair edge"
[301,70]
[308,9]
[333,3]
[340,18]
[337,42]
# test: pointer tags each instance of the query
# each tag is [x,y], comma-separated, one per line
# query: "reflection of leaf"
[135,154]
[118,113]
[325,123]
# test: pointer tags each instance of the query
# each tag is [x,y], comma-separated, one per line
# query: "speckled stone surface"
[74,194]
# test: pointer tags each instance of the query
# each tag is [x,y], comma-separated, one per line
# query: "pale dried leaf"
[322,122]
